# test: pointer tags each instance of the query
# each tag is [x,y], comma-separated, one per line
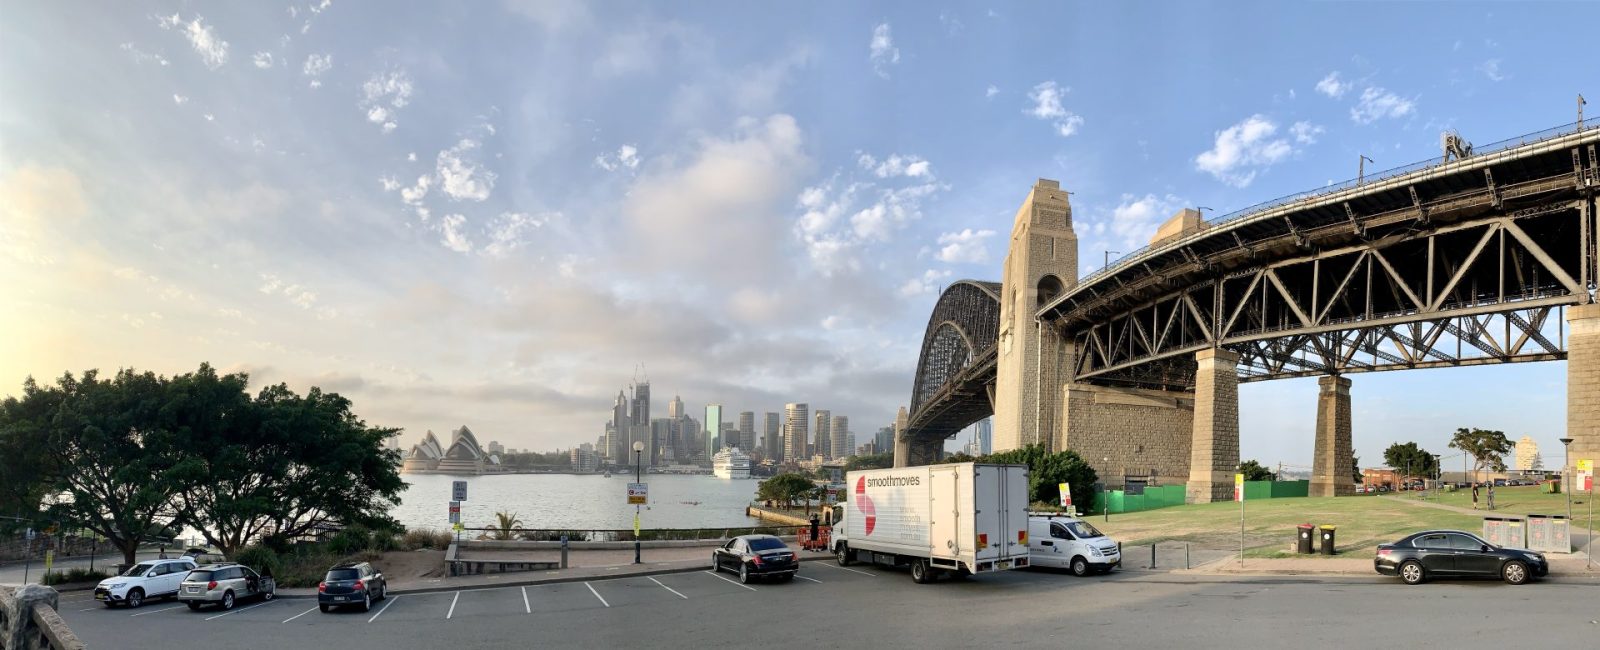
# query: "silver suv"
[224,584]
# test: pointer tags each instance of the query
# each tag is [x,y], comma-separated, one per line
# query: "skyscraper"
[729,437]
[983,433]
[641,403]
[771,439]
[824,438]
[675,408]
[660,437]
[840,432]
[794,431]
[621,419]
[747,430]
[712,430]
[884,440]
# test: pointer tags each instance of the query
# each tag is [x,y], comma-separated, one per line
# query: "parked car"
[224,584]
[1065,542]
[143,581]
[351,583]
[1452,553]
[753,556]
[202,556]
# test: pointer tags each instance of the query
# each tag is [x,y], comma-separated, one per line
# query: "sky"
[500,213]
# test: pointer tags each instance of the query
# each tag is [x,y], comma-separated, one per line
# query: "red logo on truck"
[869,514]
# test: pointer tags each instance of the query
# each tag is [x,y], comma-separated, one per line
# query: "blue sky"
[493,212]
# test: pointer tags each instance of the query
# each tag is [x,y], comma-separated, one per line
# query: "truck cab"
[1062,541]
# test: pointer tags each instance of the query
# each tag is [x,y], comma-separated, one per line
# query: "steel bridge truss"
[956,367]
[1485,288]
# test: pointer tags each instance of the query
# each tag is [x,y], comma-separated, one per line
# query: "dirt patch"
[411,566]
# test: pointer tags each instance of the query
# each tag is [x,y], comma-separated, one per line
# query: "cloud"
[1046,98]
[1491,69]
[1135,219]
[991,91]
[928,282]
[384,95]
[262,59]
[413,195]
[212,49]
[297,295]
[627,157]
[1377,103]
[1305,132]
[179,99]
[966,247]
[389,183]
[883,52]
[141,56]
[315,65]
[508,232]
[896,165]
[1332,86]
[460,177]
[1243,149]
[455,237]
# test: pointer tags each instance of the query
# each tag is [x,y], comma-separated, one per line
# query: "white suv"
[1067,542]
[143,581]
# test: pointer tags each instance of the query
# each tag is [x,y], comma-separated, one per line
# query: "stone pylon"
[1583,383]
[1033,365]
[902,445]
[1214,452]
[1332,467]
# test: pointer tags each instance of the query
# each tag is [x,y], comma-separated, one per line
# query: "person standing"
[815,524]
[1474,496]
[1491,495]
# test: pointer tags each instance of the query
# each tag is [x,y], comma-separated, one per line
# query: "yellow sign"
[458,527]
[1238,487]
[1586,465]
[635,524]
[1066,495]
[49,560]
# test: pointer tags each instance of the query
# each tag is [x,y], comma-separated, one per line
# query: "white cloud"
[1243,149]
[389,183]
[413,195]
[1332,86]
[209,117]
[262,59]
[460,177]
[627,156]
[1135,219]
[297,295]
[966,246]
[411,156]
[141,56]
[896,165]
[454,238]
[383,95]
[928,282]
[894,209]
[508,232]
[883,52]
[1046,98]
[316,64]
[1491,69]
[1377,103]
[991,91]
[1305,132]
[213,50]
[179,99]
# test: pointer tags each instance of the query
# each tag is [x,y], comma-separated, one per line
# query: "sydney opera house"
[463,456]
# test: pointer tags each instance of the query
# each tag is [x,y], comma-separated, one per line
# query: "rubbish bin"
[1494,530]
[1516,534]
[1307,533]
[1327,539]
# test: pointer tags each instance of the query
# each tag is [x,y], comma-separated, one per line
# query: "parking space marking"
[300,614]
[158,611]
[845,569]
[596,594]
[452,611]
[668,588]
[240,610]
[93,608]
[805,578]
[526,608]
[385,608]
[730,581]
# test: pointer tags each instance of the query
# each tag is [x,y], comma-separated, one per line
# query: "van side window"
[1059,531]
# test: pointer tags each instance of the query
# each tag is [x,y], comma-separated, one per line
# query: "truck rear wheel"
[919,572]
[842,553]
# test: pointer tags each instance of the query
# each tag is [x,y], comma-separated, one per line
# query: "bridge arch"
[956,361]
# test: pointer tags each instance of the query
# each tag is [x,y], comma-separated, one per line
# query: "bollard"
[1186,555]
[563,551]
[1152,555]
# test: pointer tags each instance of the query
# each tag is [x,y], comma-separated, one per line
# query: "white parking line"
[92,609]
[525,608]
[844,569]
[668,588]
[596,594]
[811,579]
[452,611]
[385,608]
[300,614]
[240,610]
[730,581]
[157,611]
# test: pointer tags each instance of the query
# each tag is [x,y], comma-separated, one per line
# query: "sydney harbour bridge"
[1478,256]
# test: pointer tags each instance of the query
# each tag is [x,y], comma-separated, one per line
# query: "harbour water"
[572,501]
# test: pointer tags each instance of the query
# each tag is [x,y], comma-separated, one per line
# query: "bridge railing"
[1436,161]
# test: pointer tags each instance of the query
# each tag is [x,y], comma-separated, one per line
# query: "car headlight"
[1094,551]
[1534,556]
[116,585]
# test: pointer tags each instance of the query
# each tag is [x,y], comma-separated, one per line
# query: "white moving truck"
[962,518]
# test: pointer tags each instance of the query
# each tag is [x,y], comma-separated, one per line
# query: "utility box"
[1548,533]
[1494,531]
[1516,533]
[1307,542]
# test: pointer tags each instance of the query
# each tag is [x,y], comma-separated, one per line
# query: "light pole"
[638,472]
[1566,486]
[1105,509]
[1108,258]
[1361,169]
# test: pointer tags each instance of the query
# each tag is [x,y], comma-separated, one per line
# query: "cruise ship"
[730,463]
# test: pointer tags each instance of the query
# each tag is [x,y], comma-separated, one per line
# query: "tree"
[1487,448]
[1253,471]
[26,467]
[871,461]
[1046,471]
[1355,468]
[1410,458]
[507,521]
[785,489]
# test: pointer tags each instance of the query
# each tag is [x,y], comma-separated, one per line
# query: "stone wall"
[28,620]
[1214,451]
[1583,382]
[1129,431]
[1332,467]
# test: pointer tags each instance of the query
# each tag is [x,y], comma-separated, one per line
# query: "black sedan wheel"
[716,563]
[744,574]
[1514,572]
[1411,572]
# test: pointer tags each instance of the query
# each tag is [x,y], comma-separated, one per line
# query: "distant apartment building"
[795,431]
[675,408]
[494,447]
[849,445]
[772,437]
[1528,458]
[839,436]
[821,434]
[747,431]
[660,439]
[584,458]
[883,441]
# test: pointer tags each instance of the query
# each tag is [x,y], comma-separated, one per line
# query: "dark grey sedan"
[1452,553]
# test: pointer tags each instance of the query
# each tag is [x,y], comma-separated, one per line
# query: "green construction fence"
[1174,495]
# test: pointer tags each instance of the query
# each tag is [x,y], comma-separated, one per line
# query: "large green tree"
[1412,458]
[1253,471]
[1046,471]
[1487,448]
[27,463]
[786,488]
[870,461]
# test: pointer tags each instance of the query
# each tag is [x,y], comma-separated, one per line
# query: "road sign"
[455,512]
[1586,465]
[458,491]
[458,527]
[1066,495]
[1238,487]
[638,494]
[49,560]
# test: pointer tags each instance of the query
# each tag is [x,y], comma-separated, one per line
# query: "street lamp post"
[1566,485]
[1105,508]
[638,472]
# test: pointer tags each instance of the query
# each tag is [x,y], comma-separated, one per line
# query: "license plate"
[340,598]
[101,596]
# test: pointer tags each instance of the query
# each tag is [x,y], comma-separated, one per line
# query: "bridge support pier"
[1214,451]
[1331,473]
[1583,382]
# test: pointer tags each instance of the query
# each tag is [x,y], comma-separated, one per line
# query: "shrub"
[425,538]
[351,539]
[262,559]
[78,574]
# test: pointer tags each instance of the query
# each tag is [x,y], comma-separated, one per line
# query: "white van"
[1066,542]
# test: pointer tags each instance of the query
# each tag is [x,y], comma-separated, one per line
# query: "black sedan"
[1449,553]
[753,556]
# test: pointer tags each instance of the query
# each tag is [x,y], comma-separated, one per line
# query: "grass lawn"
[1363,522]
[1517,501]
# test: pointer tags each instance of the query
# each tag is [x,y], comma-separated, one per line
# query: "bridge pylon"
[1034,362]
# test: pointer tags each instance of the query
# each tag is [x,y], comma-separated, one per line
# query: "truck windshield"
[1083,530]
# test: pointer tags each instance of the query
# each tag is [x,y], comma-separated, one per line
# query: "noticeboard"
[638,494]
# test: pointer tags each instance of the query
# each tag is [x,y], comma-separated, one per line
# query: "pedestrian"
[1474,496]
[1491,496]
[815,525]
[163,552]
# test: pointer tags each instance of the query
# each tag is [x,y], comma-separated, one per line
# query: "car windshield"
[198,576]
[1083,530]
[138,570]
[343,574]
[767,544]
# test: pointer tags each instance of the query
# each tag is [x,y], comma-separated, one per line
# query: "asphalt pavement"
[858,606]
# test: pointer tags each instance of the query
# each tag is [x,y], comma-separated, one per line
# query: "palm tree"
[508,521]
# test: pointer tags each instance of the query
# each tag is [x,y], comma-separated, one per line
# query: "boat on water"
[608,473]
[730,463]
